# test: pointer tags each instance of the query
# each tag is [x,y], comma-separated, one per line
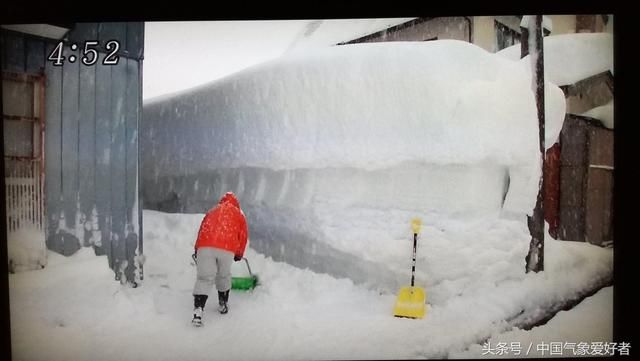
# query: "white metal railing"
[24,195]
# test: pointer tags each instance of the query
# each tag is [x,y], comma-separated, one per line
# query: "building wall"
[91,140]
[567,24]
[441,28]
[609,26]
[484,32]
[563,24]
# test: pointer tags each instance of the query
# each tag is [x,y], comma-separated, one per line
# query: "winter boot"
[223,298]
[197,317]
[198,309]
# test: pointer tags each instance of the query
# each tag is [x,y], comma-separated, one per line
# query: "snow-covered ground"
[73,309]
[589,323]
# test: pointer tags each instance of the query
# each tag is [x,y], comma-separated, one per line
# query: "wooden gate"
[23,122]
[586,182]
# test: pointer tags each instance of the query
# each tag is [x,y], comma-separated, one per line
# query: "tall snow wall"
[331,149]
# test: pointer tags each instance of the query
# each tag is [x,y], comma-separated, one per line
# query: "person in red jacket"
[222,238]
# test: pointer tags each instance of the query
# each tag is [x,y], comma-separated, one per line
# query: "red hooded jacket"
[224,227]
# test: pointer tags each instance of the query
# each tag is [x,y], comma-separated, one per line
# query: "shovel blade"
[410,303]
[244,283]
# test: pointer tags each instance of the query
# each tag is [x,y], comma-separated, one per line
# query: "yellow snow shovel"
[411,300]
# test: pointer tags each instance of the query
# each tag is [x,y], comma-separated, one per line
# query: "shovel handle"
[248,267]
[413,266]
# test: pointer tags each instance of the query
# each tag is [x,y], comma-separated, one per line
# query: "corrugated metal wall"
[91,140]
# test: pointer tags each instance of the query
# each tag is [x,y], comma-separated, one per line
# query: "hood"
[229,197]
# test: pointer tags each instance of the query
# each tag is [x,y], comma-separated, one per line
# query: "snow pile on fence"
[335,150]
[569,58]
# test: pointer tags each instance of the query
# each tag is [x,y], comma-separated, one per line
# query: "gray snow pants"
[213,265]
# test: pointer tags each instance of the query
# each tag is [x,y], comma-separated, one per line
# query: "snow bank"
[569,58]
[332,150]
[364,105]
[27,249]
[603,113]
[352,223]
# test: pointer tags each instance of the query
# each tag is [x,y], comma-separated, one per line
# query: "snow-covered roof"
[569,58]
[44,30]
[331,32]
[367,105]
[603,113]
